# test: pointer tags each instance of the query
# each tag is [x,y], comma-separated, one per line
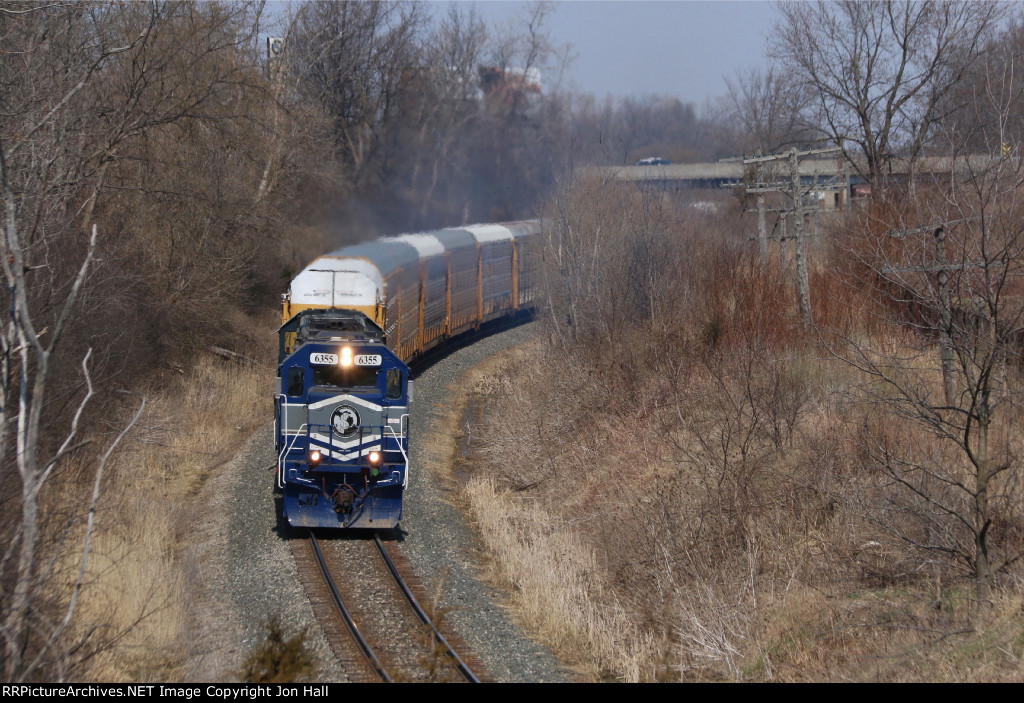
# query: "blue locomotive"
[351,320]
[342,421]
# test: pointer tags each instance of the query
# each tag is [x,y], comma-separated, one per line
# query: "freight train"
[352,322]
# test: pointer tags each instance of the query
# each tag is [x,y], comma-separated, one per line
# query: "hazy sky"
[681,48]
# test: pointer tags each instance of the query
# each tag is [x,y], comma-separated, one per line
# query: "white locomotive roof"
[335,282]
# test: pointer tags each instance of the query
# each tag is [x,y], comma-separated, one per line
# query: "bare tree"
[520,145]
[100,102]
[357,59]
[879,71]
[947,267]
[524,44]
[446,114]
[40,175]
[987,107]
[769,107]
[953,279]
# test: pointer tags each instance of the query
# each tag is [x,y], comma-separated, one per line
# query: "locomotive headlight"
[314,457]
[374,457]
[346,356]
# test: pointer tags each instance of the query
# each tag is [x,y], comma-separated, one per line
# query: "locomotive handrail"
[395,435]
[282,429]
[280,457]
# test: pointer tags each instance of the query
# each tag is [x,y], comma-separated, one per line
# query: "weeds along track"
[370,608]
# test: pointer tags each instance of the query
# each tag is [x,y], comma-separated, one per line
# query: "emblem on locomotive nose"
[345,420]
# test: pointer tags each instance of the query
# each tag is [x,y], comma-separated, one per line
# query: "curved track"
[435,660]
[449,651]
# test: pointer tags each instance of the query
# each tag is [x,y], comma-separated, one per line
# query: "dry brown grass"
[137,585]
[557,588]
[550,577]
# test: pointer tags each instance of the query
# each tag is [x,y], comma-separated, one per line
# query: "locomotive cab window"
[295,381]
[345,376]
[393,387]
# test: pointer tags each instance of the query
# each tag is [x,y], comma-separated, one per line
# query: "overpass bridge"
[812,170]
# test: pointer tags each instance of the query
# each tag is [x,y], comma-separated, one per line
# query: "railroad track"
[386,633]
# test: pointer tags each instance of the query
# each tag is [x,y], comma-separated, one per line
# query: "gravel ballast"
[440,544]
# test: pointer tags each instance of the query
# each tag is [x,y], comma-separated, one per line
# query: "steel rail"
[463,668]
[371,658]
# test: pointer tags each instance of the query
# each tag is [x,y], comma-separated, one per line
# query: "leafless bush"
[946,366]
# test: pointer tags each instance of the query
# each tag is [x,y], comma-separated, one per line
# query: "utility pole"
[762,233]
[941,268]
[945,340]
[795,192]
[844,179]
[801,244]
